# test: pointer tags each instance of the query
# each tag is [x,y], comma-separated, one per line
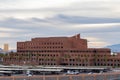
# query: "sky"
[98,21]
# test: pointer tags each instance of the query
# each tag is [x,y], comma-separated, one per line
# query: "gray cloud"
[85,20]
[60,22]
[97,19]
[99,8]
[60,25]
[59,19]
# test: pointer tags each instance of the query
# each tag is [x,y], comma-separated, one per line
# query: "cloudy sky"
[96,20]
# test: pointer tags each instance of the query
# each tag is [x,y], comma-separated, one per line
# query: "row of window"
[84,60]
[71,60]
[45,47]
[39,43]
[67,56]
[35,55]
[101,64]
[25,59]
[53,55]
[47,59]
[75,60]
[69,51]
[111,60]
[72,64]
[47,63]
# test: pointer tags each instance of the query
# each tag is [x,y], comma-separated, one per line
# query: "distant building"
[1,50]
[1,55]
[61,51]
[6,48]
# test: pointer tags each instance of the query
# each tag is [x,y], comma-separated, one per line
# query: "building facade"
[61,51]
[6,48]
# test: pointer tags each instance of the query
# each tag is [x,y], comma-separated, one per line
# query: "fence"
[103,76]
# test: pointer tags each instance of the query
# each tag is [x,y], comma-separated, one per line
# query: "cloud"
[5,35]
[97,44]
[64,23]
[23,20]
[85,20]
[3,29]
[31,4]
[42,9]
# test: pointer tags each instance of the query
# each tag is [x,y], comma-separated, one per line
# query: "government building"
[61,51]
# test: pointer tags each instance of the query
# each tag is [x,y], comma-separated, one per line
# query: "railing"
[96,76]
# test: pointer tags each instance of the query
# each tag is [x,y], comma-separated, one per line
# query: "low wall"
[103,76]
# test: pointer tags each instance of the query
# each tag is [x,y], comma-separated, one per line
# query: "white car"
[29,75]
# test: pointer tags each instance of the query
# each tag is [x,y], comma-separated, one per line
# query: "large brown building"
[61,51]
